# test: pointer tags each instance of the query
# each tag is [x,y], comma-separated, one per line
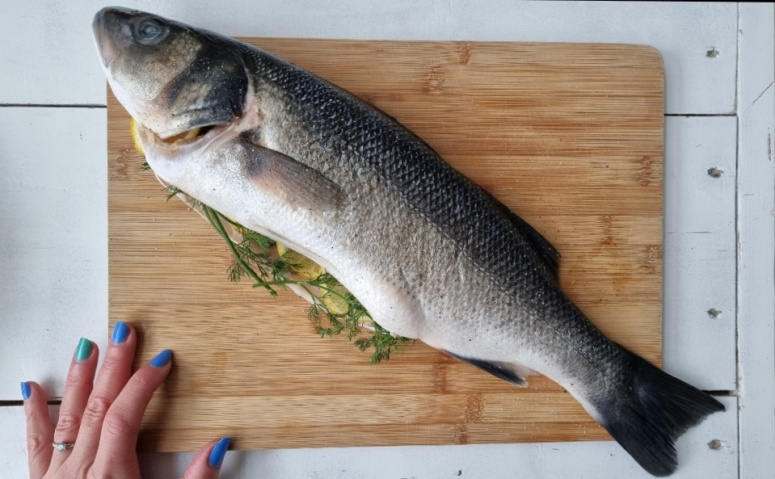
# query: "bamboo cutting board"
[569,136]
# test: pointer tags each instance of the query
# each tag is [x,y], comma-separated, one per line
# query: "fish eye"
[149,31]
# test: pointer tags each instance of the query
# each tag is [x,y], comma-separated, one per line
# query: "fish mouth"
[195,138]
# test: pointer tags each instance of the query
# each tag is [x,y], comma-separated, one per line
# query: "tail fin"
[651,412]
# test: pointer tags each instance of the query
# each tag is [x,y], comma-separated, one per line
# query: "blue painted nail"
[26,391]
[120,332]
[161,359]
[219,451]
[83,350]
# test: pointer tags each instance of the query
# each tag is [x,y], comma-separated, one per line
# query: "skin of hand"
[103,417]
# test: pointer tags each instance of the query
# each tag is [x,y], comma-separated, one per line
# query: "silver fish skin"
[430,254]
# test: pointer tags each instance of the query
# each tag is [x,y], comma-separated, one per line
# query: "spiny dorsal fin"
[546,252]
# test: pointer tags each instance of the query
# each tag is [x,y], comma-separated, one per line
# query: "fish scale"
[430,254]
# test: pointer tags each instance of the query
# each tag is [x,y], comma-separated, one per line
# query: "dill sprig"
[333,309]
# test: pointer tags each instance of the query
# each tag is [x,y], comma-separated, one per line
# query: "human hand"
[99,421]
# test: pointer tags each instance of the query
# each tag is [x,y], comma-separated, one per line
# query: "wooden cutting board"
[569,136]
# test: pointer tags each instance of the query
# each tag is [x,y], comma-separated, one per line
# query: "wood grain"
[569,136]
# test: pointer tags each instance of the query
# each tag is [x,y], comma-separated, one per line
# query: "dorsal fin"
[545,251]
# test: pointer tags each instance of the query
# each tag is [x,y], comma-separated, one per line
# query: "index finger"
[122,422]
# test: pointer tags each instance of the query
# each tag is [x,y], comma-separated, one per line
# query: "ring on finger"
[62,446]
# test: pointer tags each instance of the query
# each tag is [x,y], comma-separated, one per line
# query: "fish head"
[172,79]
[198,119]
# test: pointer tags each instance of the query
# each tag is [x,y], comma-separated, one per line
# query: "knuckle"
[141,382]
[37,415]
[67,423]
[36,443]
[75,376]
[96,410]
[117,424]
[84,470]
[112,361]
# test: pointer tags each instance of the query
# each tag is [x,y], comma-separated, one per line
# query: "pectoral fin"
[300,185]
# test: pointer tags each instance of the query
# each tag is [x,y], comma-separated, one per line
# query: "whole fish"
[429,254]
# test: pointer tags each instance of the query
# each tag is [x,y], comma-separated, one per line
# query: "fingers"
[113,376]
[40,431]
[207,462]
[80,380]
[122,422]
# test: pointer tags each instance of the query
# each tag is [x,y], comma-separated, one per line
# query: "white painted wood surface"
[699,251]
[756,229]
[53,241]
[53,247]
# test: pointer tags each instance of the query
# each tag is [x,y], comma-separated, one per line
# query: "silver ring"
[62,446]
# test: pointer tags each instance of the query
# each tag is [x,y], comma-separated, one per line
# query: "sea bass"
[295,158]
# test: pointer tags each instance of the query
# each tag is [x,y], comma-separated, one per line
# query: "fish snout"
[112,32]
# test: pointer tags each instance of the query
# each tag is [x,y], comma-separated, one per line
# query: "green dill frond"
[334,310]
[383,343]
[172,191]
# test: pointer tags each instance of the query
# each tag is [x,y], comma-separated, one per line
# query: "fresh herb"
[333,309]
[172,191]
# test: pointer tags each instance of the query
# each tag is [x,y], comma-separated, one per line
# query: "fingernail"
[83,350]
[120,332]
[161,359]
[219,451]
[26,391]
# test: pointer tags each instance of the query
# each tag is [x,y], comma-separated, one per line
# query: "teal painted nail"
[26,391]
[161,359]
[219,451]
[83,350]
[120,332]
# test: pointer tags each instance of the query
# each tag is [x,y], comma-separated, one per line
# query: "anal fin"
[508,372]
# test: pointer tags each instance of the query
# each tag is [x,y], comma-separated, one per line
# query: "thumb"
[207,462]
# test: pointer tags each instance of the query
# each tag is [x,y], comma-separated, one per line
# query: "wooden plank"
[52,241]
[756,241]
[700,250]
[59,38]
[587,110]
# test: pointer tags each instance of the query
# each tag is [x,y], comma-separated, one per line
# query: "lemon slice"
[300,264]
[281,249]
[135,136]
[333,298]
[186,135]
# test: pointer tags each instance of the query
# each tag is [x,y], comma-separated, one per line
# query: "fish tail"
[650,411]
